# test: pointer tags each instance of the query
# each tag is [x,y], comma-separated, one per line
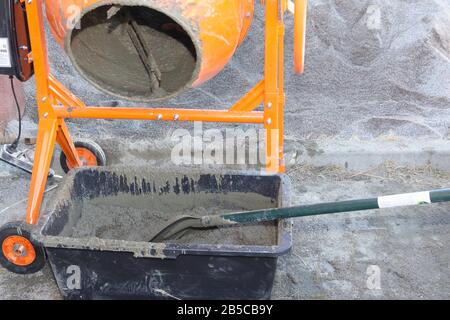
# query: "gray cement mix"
[104,52]
[129,223]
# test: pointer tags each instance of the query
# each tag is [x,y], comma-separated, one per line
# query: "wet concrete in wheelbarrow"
[128,223]
[133,204]
[333,256]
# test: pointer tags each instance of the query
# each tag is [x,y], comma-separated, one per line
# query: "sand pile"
[374,67]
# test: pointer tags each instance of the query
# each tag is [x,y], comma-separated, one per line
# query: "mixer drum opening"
[134,52]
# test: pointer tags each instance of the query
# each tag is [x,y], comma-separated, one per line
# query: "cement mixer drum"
[149,50]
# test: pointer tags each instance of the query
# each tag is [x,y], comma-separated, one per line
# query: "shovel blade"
[177,227]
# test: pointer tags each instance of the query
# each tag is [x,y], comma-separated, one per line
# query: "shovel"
[180,225]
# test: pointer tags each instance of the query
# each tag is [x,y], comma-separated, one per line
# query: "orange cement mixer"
[144,50]
[149,49]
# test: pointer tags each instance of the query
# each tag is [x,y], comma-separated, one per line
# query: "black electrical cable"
[14,145]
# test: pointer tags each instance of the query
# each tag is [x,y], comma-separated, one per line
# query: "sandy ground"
[332,255]
[377,72]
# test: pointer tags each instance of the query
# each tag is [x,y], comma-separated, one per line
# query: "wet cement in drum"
[105,53]
[136,224]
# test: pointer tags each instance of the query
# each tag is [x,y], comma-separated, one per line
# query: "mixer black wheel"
[89,152]
[19,254]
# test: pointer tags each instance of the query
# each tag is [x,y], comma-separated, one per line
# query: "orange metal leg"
[45,144]
[274,95]
[48,123]
[65,142]
[281,96]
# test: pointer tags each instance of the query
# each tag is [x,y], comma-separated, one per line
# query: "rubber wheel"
[18,253]
[90,153]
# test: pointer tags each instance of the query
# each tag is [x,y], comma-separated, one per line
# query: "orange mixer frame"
[56,103]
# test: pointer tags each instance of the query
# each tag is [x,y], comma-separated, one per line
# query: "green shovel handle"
[400,200]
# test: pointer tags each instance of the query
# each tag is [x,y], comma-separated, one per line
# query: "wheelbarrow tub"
[93,267]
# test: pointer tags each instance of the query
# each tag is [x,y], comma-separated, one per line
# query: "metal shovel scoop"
[180,225]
